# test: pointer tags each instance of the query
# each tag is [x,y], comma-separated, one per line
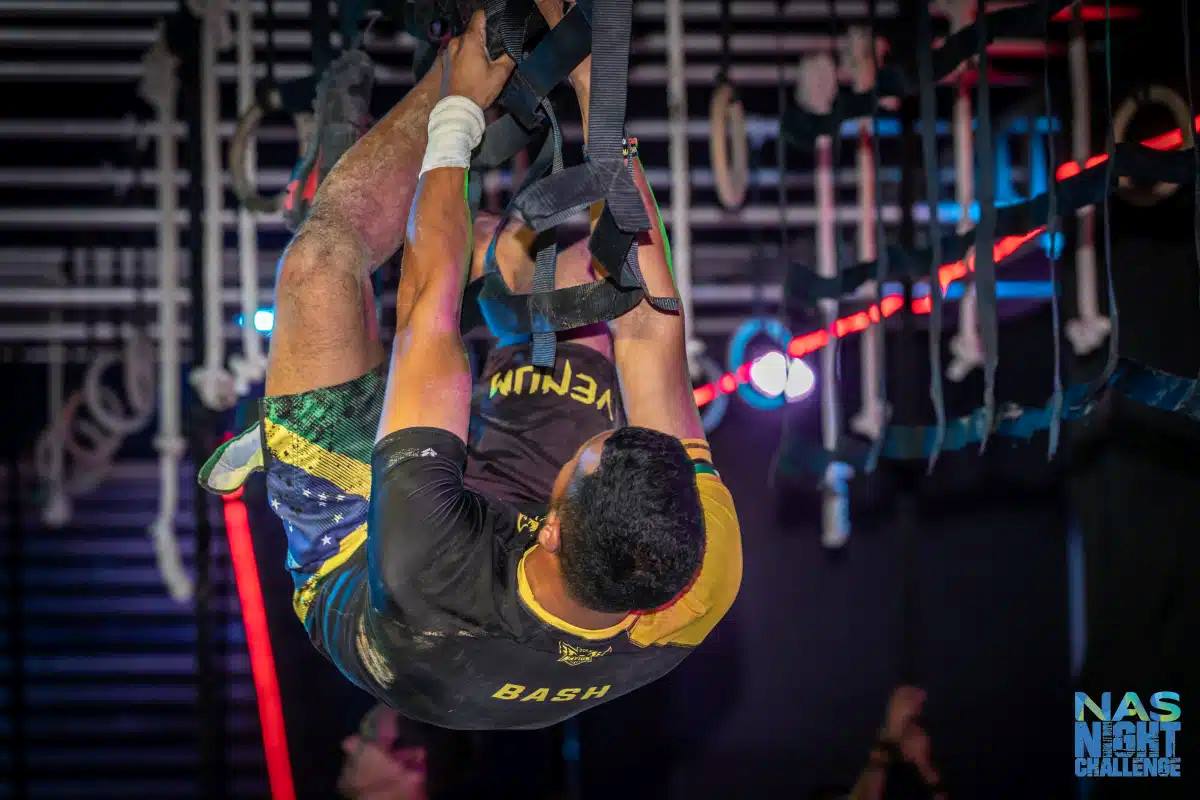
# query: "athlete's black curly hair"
[632,532]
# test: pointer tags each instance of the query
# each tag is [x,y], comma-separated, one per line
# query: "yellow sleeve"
[690,618]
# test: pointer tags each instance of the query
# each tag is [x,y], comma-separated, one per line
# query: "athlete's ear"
[548,536]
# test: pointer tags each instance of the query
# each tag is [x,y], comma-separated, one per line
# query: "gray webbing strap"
[883,265]
[932,199]
[1109,167]
[547,254]
[1056,399]
[985,262]
[606,174]
[1187,74]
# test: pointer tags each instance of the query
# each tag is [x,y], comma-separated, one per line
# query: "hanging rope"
[294,98]
[1113,312]
[1056,400]
[985,263]
[883,265]
[727,119]
[929,154]
[1190,132]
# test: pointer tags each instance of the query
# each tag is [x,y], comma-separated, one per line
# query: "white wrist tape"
[455,129]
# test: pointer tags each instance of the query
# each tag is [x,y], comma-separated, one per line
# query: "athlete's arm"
[649,346]
[429,382]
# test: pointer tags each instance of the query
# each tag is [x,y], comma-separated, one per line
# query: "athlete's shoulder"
[690,618]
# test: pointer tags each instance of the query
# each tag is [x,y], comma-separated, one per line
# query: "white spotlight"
[768,373]
[800,380]
[264,320]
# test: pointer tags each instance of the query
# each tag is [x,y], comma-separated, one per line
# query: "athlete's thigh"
[325,333]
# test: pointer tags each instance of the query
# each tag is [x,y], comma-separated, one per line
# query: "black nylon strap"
[559,52]
[502,140]
[1056,399]
[547,256]
[800,128]
[1114,334]
[1187,75]
[1018,22]
[803,287]
[557,310]
[545,202]
[933,201]
[985,236]
[1131,380]
[883,266]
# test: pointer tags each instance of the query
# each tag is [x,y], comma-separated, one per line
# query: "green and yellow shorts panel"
[316,450]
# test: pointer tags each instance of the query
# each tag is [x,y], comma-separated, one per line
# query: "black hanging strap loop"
[545,202]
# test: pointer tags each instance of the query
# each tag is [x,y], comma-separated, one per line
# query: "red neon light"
[258,643]
[851,324]
[807,343]
[1096,13]
[704,394]
[1170,140]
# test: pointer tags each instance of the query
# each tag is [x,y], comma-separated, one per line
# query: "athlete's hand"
[472,73]
[902,728]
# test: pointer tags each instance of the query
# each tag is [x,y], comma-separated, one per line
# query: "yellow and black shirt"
[435,616]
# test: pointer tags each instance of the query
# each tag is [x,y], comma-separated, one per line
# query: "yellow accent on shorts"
[349,475]
[303,597]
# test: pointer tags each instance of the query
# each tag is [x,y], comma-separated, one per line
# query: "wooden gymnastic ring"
[727,147]
[1171,100]
[244,134]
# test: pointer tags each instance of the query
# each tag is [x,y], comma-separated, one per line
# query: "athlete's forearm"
[650,346]
[435,258]
[365,199]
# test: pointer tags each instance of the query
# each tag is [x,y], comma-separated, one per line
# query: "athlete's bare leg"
[325,328]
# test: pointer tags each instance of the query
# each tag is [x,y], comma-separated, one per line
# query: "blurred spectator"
[386,759]
[392,757]
[901,762]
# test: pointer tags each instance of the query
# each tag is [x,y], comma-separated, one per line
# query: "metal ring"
[244,134]
[739,343]
[727,147]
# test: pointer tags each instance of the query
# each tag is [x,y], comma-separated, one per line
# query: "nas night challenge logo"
[1128,741]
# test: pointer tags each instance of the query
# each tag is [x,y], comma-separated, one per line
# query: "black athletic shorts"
[527,422]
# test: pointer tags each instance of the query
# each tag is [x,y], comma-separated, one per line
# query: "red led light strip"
[1097,13]
[258,643]
[807,343]
[1170,140]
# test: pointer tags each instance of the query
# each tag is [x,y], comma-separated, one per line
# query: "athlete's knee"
[323,249]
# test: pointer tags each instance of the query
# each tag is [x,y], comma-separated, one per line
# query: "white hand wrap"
[455,129]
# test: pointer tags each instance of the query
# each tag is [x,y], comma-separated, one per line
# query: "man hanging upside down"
[508,571]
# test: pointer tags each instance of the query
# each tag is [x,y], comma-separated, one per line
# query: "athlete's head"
[625,521]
